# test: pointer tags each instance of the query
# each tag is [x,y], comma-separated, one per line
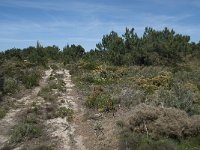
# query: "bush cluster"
[100,100]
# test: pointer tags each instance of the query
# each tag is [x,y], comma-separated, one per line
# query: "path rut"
[61,129]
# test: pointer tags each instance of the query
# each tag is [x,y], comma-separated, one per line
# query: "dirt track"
[60,131]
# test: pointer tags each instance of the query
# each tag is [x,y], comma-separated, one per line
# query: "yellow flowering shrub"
[99,100]
[152,84]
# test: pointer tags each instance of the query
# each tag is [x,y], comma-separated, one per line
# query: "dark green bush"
[2,112]
[31,78]
[10,85]
[101,101]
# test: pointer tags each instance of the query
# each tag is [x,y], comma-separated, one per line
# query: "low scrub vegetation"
[164,106]
[27,129]
[151,127]
[169,122]
[10,85]
[102,102]
[2,112]
[31,78]
[64,112]
[154,79]
[18,75]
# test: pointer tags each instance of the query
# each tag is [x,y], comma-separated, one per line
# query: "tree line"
[154,47]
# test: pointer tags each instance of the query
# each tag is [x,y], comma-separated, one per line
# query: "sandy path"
[63,131]
[64,135]
[10,120]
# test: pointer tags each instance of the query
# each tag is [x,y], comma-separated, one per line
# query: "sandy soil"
[59,128]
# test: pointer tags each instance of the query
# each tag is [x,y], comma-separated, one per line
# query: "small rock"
[96,116]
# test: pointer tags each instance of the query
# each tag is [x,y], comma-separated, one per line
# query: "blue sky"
[62,22]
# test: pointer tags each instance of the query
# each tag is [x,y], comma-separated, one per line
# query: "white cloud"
[60,5]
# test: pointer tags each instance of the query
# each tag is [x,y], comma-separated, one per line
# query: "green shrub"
[73,68]
[168,128]
[60,85]
[65,112]
[198,86]
[164,122]
[26,130]
[10,68]
[2,112]
[164,144]
[54,112]
[53,85]
[102,102]
[1,96]
[34,109]
[88,66]
[179,68]
[10,85]
[131,97]
[192,143]
[31,78]
[88,78]
[178,97]
[137,141]
[152,84]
